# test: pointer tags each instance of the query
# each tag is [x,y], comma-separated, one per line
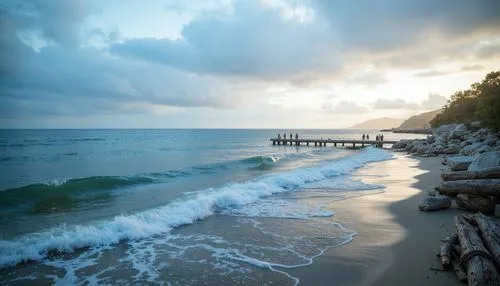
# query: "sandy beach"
[396,244]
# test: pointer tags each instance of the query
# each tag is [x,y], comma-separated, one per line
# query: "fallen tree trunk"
[461,274]
[446,249]
[480,267]
[491,235]
[474,204]
[481,187]
[456,252]
[468,175]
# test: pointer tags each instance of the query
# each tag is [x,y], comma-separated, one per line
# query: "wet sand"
[396,244]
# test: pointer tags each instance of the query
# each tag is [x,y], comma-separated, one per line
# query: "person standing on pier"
[297,136]
[381,137]
[376,138]
[367,137]
[279,136]
[363,136]
[291,136]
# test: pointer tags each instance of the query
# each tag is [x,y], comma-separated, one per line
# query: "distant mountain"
[420,121]
[379,123]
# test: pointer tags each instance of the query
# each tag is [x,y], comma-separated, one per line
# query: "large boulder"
[452,149]
[482,149]
[435,203]
[401,144]
[490,141]
[444,129]
[438,149]
[469,149]
[485,161]
[458,132]
[431,139]
[459,163]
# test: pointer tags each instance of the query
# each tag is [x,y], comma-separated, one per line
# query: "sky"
[237,63]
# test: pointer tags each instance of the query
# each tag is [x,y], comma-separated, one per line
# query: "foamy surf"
[185,210]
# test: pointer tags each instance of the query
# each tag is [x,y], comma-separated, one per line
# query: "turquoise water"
[62,190]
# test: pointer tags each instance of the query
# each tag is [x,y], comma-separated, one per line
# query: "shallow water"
[171,206]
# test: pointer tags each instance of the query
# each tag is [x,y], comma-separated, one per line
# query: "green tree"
[488,106]
[461,107]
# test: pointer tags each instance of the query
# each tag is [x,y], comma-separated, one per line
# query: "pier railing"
[323,142]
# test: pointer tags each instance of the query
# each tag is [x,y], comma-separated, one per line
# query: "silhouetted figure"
[376,138]
[291,136]
[363,136]
[284,135]
[382,137]
[367,137]
[297,136]
[279,136]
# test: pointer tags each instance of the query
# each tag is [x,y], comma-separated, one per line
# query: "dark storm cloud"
[388,24]
[256,41]
[64,78]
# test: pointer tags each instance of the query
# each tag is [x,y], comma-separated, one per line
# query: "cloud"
[254,40]
[488,49]
[431,73]
[433,101]
[368,78]
[386,25]
[472,68]
[270,42]
[54,61]
[344,107]
[393,104]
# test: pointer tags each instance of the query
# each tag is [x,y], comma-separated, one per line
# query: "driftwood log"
[481,187]
[459,270]
[490,232]
[446,250]
[474,204]
[468,175]
[480,267]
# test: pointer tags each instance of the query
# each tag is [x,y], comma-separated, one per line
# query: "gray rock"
[438,149]
[452,149]
[460,163]
[497,210]
[482,149]
[476,125]
[485,161]
[468,150]
[431,139]
[401,144]
[497,143]
[490,141]
[459,131]
[444,129]
[435,203]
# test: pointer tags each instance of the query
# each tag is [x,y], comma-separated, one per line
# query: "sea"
[173,206]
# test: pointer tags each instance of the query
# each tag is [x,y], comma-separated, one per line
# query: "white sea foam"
[186,210]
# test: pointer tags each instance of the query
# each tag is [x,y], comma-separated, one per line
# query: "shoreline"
[396,244]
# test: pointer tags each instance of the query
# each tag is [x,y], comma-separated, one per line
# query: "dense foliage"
[480,102]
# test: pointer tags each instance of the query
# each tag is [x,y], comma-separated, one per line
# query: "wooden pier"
[323,142]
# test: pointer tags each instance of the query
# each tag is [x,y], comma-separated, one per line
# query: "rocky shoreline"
[471,184]
[452,139]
